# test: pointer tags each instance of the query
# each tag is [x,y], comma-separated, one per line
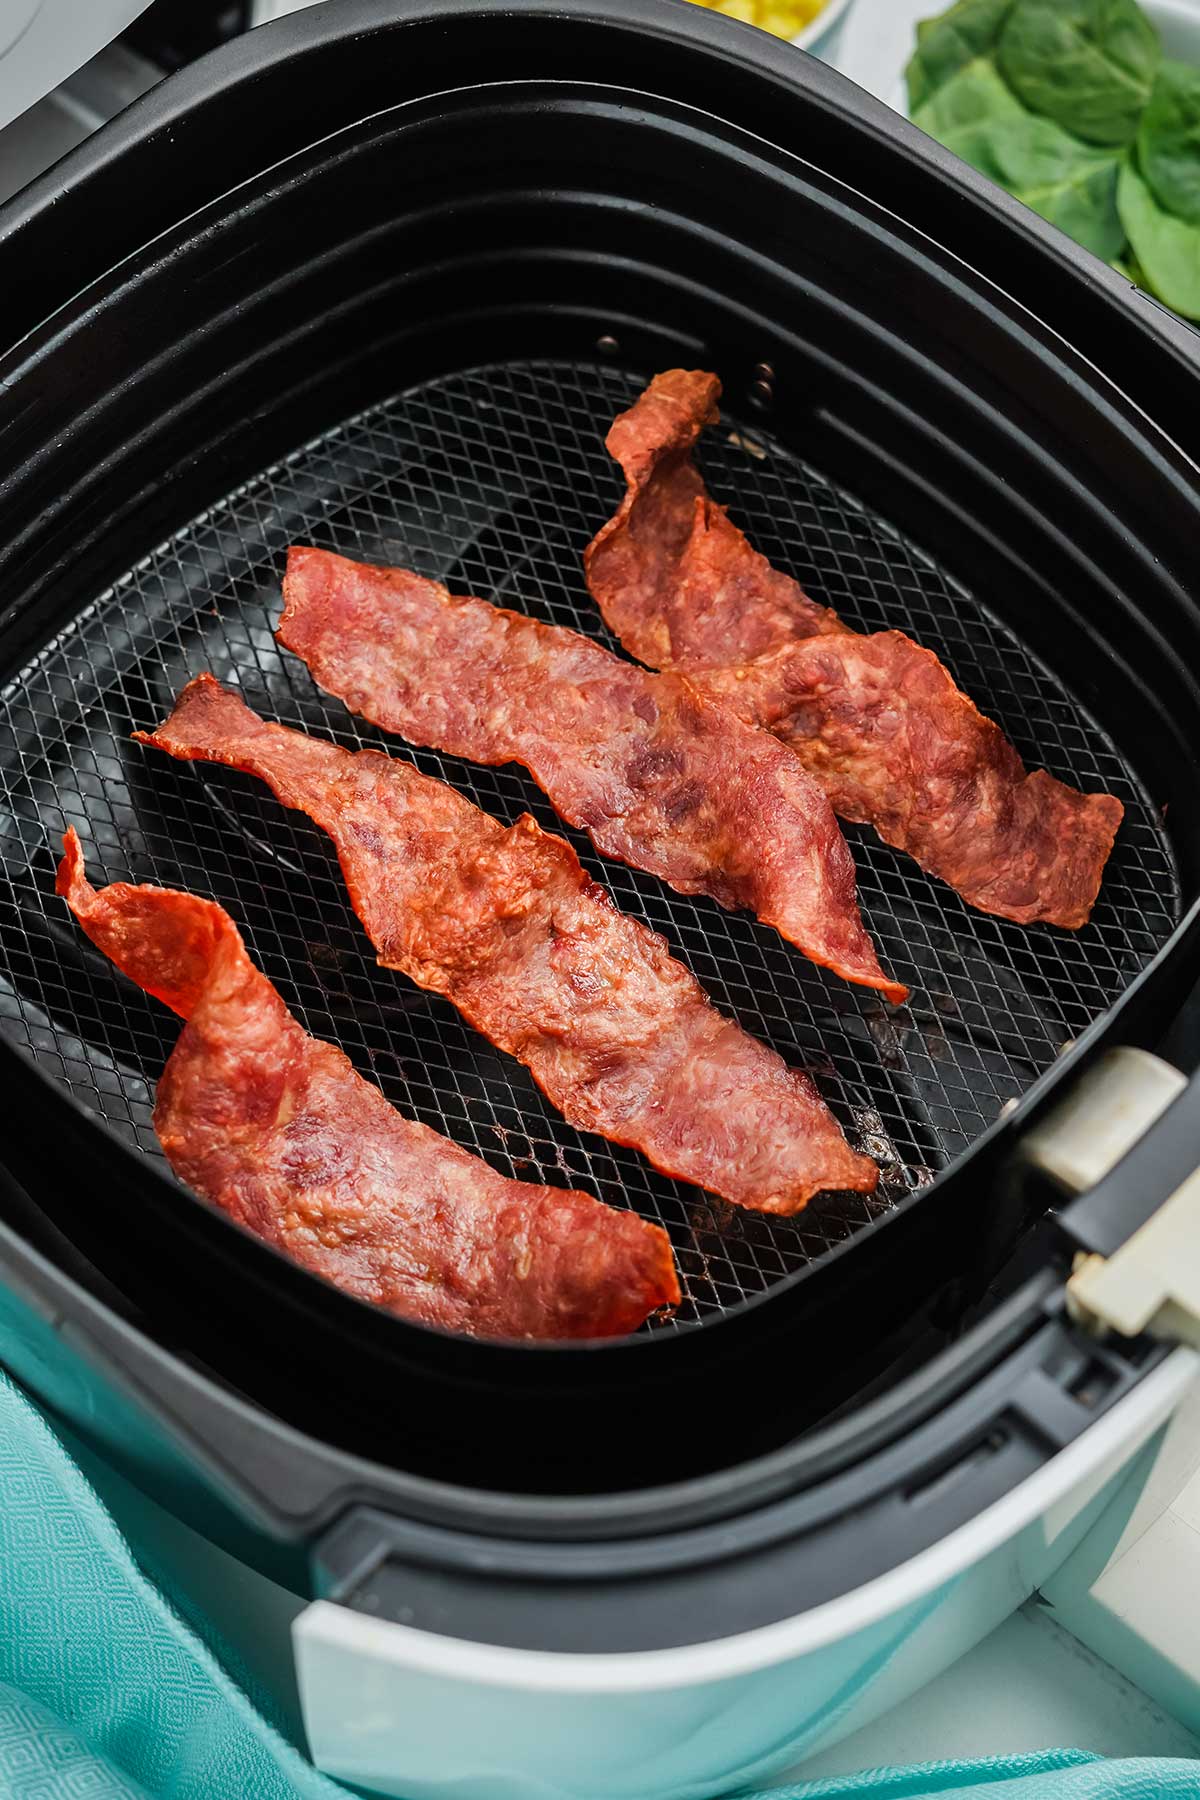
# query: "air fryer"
[378,278]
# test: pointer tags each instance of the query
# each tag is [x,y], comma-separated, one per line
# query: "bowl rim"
[829,14]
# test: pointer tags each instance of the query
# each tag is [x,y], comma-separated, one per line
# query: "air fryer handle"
[1126,1146]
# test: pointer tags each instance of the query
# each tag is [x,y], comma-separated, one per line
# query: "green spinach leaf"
[1080,199]
[1168,143]
[948,43]
[1088,64]
[1071,184]
[1167,248]
[971,97]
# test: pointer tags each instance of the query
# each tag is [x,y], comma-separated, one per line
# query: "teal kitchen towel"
[107,1694]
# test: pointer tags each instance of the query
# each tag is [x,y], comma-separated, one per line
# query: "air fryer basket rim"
[155,116]
[679,24]
[1009,1381]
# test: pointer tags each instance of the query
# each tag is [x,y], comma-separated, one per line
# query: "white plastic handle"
[1152,1283]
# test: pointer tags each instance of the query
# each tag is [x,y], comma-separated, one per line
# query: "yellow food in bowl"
[785,18]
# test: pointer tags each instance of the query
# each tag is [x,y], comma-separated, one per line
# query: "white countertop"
[1029,1686]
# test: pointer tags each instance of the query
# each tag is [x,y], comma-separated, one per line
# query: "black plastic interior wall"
[380,281]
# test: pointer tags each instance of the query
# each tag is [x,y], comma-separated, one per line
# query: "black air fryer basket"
[378,278]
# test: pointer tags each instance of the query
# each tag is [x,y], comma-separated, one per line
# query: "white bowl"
[813,34]
[1178,24]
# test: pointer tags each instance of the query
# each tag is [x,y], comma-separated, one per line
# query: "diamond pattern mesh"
[493,481]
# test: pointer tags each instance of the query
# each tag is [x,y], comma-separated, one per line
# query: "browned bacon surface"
[282,1133]
[505,923]
[877,720]
[656,775]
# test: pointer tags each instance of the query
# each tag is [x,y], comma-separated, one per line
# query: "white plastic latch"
[1152,1283]
[1102,1118]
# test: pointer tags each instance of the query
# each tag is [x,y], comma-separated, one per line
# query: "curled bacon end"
[877,720]
[282,1133]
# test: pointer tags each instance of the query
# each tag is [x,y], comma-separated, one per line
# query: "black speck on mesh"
[494,481]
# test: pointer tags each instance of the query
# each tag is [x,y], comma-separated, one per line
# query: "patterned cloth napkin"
[107,1694]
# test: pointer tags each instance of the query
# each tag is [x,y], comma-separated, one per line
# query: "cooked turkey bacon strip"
[506,924]
[657,776]
[281,1132]
[877,720]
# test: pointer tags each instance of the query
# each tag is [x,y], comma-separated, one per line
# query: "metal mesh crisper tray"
[494,481]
